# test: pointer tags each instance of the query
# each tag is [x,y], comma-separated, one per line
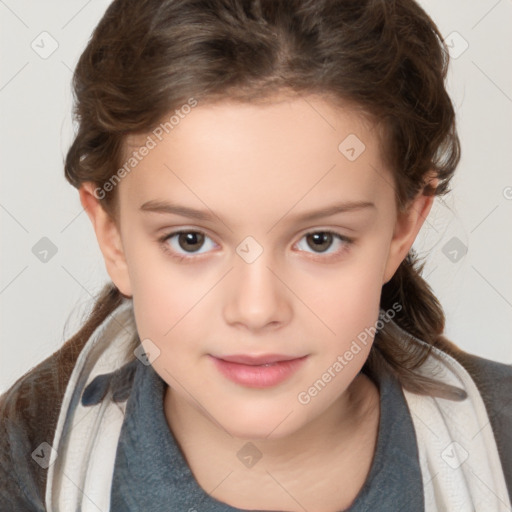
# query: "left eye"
[323,239]
[191,241]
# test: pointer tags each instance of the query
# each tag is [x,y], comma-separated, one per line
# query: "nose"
[257,296]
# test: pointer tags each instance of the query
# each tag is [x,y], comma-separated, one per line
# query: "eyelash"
[317,257]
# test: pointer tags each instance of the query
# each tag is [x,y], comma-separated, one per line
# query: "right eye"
[188,241]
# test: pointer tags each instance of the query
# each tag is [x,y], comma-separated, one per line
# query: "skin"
[256,167]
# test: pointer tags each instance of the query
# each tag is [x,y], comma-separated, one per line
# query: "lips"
[257,360]
[262,371]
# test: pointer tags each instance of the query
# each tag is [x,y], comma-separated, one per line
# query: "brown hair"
[147,58]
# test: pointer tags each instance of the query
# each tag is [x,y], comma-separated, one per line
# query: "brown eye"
[185,244]
[320,240]
[190,241]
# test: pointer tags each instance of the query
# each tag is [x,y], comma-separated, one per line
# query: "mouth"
[264,359]
[260,371]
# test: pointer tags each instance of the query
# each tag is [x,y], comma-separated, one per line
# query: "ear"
[407,227]
[108,236]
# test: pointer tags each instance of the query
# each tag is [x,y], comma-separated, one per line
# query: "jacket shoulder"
[29,411]
[494,381]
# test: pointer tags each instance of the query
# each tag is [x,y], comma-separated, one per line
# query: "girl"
[256,173]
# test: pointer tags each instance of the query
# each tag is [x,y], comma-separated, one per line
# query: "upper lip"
[256,360]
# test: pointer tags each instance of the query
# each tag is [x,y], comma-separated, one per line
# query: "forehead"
[284,151]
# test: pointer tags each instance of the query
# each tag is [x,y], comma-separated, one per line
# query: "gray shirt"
[151,473]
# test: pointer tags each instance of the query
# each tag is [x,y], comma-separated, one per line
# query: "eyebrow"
[207,215]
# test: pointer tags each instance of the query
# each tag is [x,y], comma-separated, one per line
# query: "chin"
[249,425]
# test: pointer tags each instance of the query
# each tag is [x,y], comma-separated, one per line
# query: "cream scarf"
[459,460]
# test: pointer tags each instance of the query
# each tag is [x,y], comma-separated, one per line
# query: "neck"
[299,471]
[339,423]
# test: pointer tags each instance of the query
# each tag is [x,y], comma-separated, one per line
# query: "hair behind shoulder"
[147,58]
[421,316]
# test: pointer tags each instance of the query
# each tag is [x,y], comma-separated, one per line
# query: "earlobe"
[109,238]
[407,227]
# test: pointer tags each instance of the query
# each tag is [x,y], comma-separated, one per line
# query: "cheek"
[163,294]
[346,306]
[167,313]
[168,302]
[349,294]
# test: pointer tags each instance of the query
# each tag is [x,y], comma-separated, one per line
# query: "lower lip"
[259,376]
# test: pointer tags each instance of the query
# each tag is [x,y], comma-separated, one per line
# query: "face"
[253,272]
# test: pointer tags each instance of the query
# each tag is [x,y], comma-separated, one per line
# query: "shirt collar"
[119,382]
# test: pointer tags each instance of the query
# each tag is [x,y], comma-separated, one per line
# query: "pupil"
[324,239]
[190,239]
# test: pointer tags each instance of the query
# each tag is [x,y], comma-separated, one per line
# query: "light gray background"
[41,303]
